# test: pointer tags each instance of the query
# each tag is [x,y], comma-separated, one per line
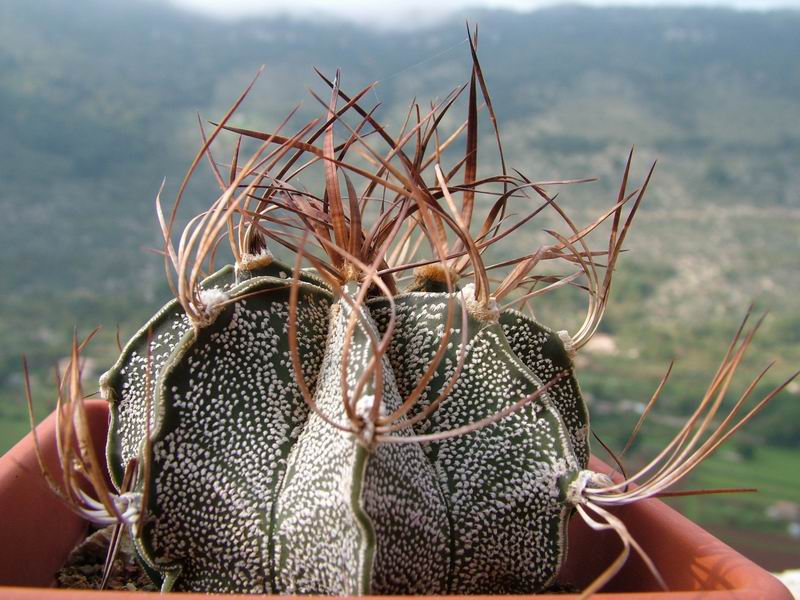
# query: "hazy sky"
[420,11]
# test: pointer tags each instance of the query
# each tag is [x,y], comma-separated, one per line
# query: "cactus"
[283,429]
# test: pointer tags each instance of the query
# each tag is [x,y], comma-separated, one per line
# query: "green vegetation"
[98,102]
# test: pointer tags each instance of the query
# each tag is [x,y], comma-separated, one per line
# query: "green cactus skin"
[252,492]
[229,412]
[124,384]
[503,483]
[543,352]
[352,519]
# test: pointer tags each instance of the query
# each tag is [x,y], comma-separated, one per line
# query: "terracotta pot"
[37,532]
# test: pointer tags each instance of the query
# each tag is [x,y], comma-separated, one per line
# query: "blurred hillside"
[98,102]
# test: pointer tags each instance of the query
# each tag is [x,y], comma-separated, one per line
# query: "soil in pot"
[84,566]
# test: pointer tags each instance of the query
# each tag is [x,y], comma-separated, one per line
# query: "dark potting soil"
[84,566]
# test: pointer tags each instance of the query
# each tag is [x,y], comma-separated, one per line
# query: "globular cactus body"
[249,491]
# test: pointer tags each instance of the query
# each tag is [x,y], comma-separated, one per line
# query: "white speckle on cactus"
[124,385]
[232,412]
[538,347]
[501,483]
[235,423]
[319,542]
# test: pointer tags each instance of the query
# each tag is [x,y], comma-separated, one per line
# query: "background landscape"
[98,102]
